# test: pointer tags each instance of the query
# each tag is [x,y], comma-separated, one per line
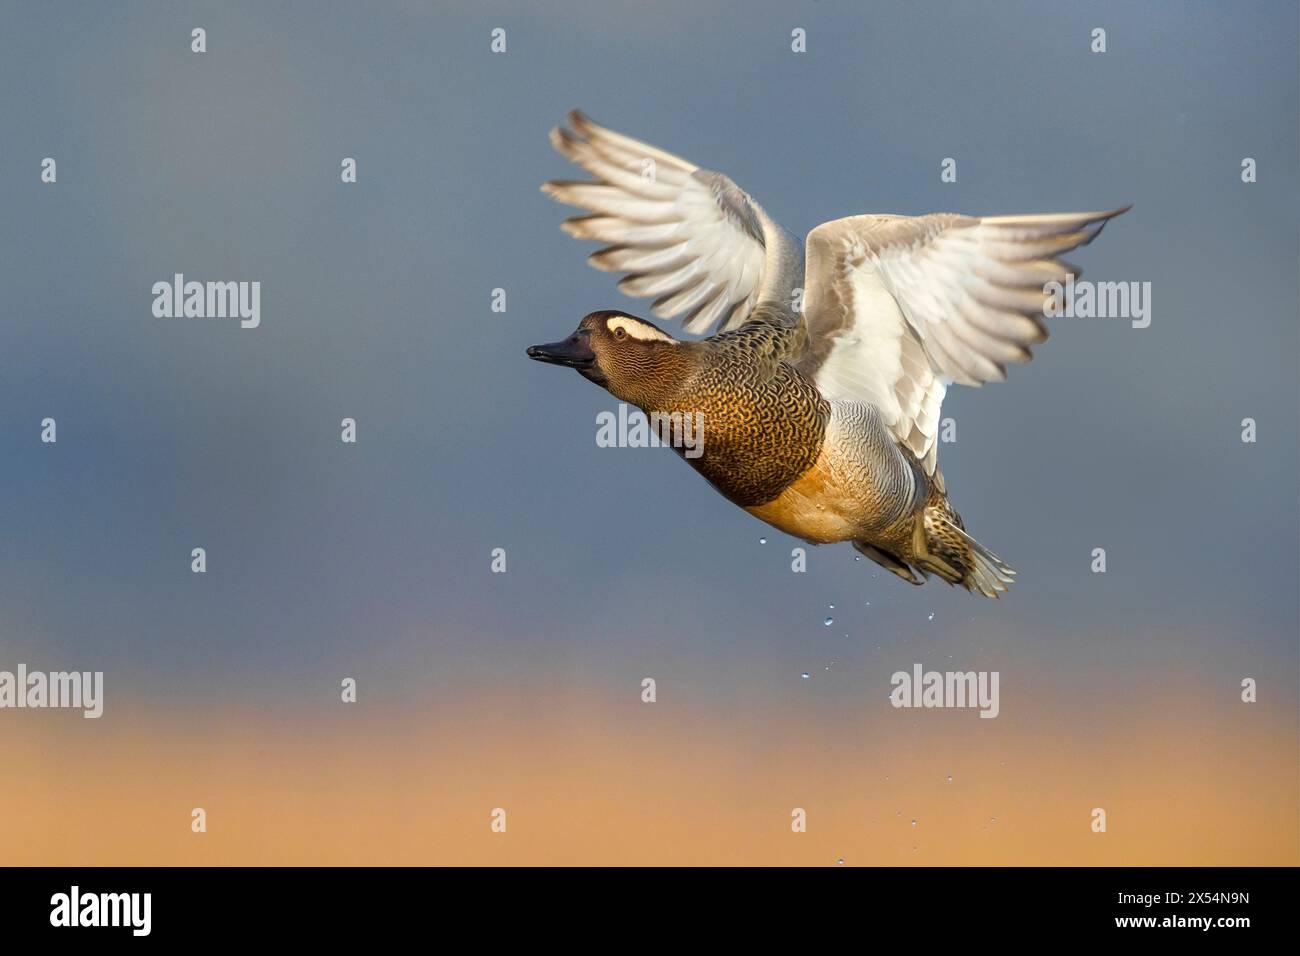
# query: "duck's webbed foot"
[887,560]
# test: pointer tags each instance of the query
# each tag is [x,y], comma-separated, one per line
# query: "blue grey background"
[373,559]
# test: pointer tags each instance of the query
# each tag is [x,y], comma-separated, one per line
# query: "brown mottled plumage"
[820,397]
[763,421]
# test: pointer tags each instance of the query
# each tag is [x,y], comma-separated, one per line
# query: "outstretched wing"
[690,237]
[896,308]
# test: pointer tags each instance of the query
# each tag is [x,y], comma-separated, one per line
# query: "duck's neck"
[669,387]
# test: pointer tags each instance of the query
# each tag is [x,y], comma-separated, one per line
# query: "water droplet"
[805,675]
[762,540]
[840,861]
[931,617]
[857,557]
[913,823]
[950,778]
[829,621]
[993,819]
[831,606]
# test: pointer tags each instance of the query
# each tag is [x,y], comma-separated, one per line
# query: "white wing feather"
[897,308]
[689,237]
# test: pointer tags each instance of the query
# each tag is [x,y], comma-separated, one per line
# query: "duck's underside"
[929,541]
[865,489]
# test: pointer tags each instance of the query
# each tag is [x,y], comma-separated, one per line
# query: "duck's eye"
[620,333]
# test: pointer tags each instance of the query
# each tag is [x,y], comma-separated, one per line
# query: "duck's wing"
[690,237]
[897,308]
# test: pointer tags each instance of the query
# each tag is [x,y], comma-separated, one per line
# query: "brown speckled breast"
[764,423]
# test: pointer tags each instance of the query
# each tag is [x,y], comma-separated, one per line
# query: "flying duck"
[820,392]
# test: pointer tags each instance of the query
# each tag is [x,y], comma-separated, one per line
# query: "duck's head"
[631,358]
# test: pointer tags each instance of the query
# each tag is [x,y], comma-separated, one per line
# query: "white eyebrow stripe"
[638,330]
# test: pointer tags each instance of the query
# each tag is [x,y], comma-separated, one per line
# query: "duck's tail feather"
[944,547]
